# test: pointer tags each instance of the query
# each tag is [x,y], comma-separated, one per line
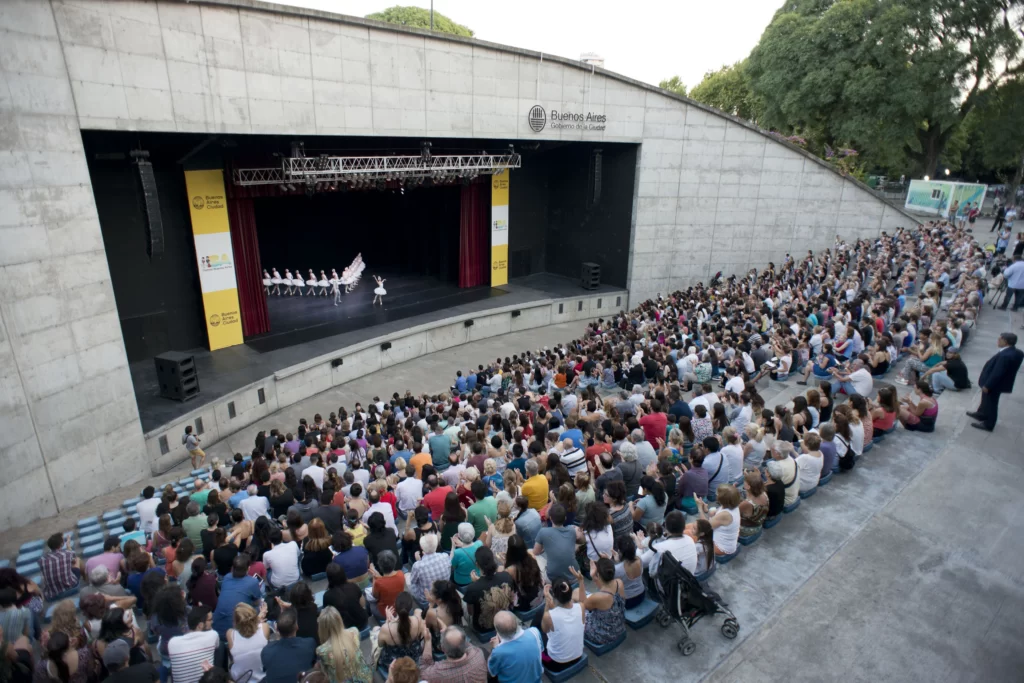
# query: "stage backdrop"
[499,228]
[212,234]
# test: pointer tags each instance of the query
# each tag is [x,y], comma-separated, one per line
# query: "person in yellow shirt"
[535,488]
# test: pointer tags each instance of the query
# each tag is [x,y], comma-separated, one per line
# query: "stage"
[319,328]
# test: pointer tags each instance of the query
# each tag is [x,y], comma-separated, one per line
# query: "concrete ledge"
[294,383]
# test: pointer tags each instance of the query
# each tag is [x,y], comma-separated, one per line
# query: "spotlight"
[282,187]
[291,187]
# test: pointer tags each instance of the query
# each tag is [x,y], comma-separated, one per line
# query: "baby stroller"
[685,600]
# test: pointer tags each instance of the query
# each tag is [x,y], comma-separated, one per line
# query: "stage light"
[282,187]
[291,188]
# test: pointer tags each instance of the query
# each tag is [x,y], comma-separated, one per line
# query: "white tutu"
[276,280]
[380,291]
[297,282]
[267,282]
[323,283]
[311,283]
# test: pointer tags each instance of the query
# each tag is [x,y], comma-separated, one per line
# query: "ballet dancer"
[287,281]
[323,284]
[379,291]
[298,282]
[311,282]
[267,282]
[336,290]
[277,280]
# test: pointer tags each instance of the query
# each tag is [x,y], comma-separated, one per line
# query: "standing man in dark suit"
[997,378]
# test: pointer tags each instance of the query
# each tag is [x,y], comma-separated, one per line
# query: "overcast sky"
[645,39]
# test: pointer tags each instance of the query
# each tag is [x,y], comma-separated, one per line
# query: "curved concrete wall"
[712,193]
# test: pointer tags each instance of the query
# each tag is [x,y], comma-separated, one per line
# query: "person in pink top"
[110,557]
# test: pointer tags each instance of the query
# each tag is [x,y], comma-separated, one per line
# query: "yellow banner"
[499,228]
[212,234]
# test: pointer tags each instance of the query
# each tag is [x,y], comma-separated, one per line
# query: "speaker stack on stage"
[176,373]
[590,277]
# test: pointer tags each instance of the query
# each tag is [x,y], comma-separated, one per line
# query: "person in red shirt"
[600,443]
[654,424]
[434,501]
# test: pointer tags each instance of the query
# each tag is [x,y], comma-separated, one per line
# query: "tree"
[884,74]
[674,85]
[418,17]
[1000,131]
[728,89]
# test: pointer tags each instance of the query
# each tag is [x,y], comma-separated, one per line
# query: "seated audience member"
[284,659]
[190,651]
[354,559]
[605,608]
[60,568]
[403,634]
[429,566]
[676,541]
[516,653]
[919,410]
[345,597]
[725,520]
[810,462]
[339,655]
[388,582]
[489,594]
[281,561]
[754,507]
[246,641]
[316,549]
[557,543]
[238,587]
[563,622]
[462,661]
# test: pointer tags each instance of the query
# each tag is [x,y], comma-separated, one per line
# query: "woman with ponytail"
[62,663]
[402,633]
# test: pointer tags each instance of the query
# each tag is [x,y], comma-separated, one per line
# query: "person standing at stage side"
[191,442]
[379,292]
[997,378]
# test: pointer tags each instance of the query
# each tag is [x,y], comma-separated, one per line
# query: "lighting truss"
[386,168]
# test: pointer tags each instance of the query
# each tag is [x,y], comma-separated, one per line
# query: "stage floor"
[318,328]
[296,320]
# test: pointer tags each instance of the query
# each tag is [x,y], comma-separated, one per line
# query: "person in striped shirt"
[190,651]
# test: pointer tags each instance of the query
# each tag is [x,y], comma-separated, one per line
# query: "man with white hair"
[638,395]
[574,459]
[645,453]
[430,566]
[685,366]
[857,381]
[630,468]
[112,592]
[516,654]
[255,506]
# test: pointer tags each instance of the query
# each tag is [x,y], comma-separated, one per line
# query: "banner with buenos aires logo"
[499,228]
[212,233]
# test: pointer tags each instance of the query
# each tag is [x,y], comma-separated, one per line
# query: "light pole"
[431,15]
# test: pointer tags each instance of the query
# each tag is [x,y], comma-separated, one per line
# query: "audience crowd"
[484,511]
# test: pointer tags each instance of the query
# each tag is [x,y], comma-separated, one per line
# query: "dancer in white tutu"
[379,291]
[350,276]
[277,280]
[297,282]
[268,282]
[311,282]
[287,281]
[323,284]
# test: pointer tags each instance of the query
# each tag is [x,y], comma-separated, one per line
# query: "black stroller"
[685,600]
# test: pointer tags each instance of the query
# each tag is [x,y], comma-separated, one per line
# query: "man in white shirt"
[189,652]
[858,381]
[315,470]
[708,398]
[676,542]
[281,561]
[409,491]
[734,384]
[147,510]
[383,508]
[255,506]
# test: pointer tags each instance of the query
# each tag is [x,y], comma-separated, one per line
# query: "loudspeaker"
[176,375]
[385,346]
[337,361]
[468,323]
[590,275]
[151,203]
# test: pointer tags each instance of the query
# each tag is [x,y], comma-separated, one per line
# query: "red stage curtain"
[248,271]
[474,235]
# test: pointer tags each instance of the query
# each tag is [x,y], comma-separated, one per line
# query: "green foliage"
[417,17]
[999,124]
[893,78]
[674,85]
[728,89]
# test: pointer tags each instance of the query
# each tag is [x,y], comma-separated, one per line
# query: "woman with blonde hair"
[247,640]
[585,493]
[755,448]
[726,520]
[65,620]
[491,475]
[339,656]
[498,531]
[754,509]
